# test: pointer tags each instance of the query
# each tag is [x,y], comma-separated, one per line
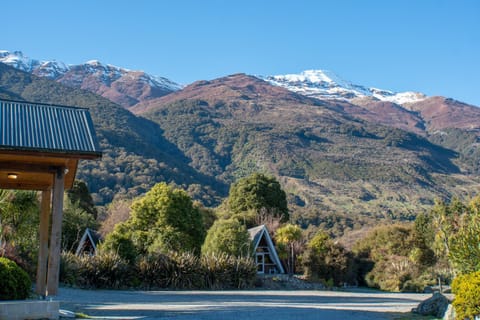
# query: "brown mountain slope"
[329,162]
[123,87]
[386,113]
[234,87]
[441,113]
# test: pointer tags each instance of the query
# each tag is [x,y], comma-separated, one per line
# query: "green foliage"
[106,270]
[75,221]
[288,234]
[456,229]
[327,261]
[224,271]
[19,219]
[120,242]
[15,283]
[397,256]
[465,142]
[258,191]
[227,237]
[288,239]
[466,288]
[173,270]
[80,195]
[464,245]
[164,219]
[168,217]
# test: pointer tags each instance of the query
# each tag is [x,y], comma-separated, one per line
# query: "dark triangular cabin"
[266,256]
[88,243]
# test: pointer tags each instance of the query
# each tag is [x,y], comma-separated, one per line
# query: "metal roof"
[48,128]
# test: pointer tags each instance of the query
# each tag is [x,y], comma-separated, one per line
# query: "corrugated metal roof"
[49,128]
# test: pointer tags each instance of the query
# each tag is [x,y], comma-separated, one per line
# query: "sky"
[430,46]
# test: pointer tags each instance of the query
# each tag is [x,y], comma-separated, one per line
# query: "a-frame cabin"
[266,256]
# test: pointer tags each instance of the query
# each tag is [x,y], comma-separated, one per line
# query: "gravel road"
[224,305]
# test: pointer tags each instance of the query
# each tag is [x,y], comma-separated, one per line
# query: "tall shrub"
[228,237]
[15,283]
[467,295]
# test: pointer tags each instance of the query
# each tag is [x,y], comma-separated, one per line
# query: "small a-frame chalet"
[266,256]
[40,146]
[88,243]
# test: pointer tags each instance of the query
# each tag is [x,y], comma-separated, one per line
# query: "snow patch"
[325,84]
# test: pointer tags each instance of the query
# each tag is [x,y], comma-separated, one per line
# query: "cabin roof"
[256,235]
[38,140]
[45,128]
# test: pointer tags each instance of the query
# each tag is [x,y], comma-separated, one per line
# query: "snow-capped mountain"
[327,85]
[123,86]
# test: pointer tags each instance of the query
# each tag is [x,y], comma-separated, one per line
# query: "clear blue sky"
[432,46]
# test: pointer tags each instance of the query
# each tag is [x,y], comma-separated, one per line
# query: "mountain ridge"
[353,161]
[122,86]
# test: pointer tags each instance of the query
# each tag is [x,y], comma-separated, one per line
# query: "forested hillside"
[135,153]
[340,169]
[337,170]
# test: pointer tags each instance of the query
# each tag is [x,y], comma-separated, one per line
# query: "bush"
[467,295]
[105,270]
[228,272]
[69,268]
[154,271]
[158,271]
[229,237]
[14,281]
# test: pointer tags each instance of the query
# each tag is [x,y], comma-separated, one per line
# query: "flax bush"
[159,271]
[105,270]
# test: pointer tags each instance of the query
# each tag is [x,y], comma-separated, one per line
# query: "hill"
[135,153]
[344,163]
[122,86]
[334,166]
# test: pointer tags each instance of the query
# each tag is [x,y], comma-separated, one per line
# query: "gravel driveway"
[224,305]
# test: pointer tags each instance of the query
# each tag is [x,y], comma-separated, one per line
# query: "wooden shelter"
[40,146]
[266,256]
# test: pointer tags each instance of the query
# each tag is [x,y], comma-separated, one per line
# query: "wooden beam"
[56,235]
[28,167]
[41,287]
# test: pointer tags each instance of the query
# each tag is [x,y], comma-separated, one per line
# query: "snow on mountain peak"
[54,70]
[17,60]
[325,84]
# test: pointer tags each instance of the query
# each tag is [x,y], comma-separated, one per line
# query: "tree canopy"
[258,191]
[164,219]
[227,236]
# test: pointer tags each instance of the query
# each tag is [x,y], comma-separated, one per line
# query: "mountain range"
[346,154]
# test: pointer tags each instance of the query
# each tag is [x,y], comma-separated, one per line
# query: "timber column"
[56,236]
[43,248]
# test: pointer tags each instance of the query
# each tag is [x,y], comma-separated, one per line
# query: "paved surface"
[224,305]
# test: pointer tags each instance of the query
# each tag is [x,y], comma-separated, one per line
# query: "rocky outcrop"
[435,306]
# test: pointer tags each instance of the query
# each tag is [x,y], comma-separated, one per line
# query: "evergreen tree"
[256,192]
[229,237]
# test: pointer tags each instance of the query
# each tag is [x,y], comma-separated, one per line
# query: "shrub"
[154,271]
[105,270]
[158,271]
[14,281]
[69,268]
[467,295]
[227,236]
[228,272]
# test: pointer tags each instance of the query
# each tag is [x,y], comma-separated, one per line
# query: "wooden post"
[56,236]
[43,248]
